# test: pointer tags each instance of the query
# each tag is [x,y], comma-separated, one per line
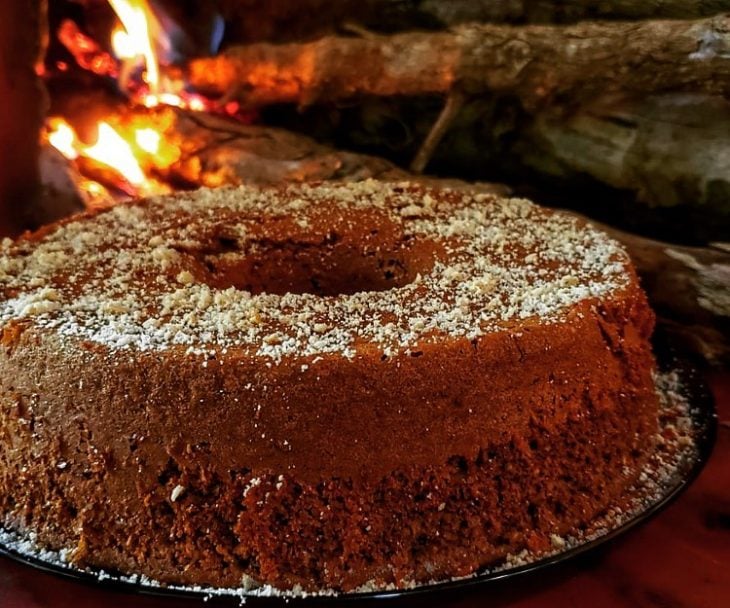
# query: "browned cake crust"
[159,417]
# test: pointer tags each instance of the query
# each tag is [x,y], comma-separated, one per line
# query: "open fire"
[129,152]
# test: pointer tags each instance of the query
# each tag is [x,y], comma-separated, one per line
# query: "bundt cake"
[318,386]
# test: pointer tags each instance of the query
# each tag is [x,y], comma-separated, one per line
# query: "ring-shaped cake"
[320,386]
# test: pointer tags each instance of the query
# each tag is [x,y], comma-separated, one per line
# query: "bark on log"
[23,104]
[286,21]
[219,152]
[61,195]
[670,150]
[539,65]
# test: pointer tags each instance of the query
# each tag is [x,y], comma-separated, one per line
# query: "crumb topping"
[119,278]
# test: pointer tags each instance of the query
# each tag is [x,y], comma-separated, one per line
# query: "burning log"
[206,149]
[539,65]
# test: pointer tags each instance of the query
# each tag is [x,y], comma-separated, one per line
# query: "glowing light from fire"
[126,151]
[123,44]
[62,137]
[140,35]
[87,53]
[148,140]
[111,150]
[136,38]
[134,150]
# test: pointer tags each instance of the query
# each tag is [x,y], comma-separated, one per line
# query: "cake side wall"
[150,464]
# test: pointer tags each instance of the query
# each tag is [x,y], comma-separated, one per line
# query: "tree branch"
[453,104]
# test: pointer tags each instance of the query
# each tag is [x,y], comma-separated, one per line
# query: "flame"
[149,140]
[133,150]
[139,35]
[123,44]
[135,40]
[110,149]
[62,137]
[132,162]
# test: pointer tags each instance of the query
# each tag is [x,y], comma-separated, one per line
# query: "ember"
[87,53]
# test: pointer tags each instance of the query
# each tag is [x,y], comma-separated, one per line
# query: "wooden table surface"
[679,559]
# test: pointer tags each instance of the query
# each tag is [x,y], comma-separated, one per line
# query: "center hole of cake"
[333,267]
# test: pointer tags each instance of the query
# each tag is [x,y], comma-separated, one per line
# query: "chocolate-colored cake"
[324,386]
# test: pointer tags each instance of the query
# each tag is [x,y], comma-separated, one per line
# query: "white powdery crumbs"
[123,284]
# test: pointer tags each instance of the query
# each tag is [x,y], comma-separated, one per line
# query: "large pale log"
[539,65]
[669,150]
[23,104]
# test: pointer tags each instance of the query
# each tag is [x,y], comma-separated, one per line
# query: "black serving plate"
[704,423]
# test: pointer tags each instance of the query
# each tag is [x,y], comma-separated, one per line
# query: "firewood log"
[216,151]
[669,150]
[286,20]
[539,65]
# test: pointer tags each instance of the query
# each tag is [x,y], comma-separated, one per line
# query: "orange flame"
[110,149]
[139,35]
[132,152]
[113,150]
[135,39]
[62,137]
